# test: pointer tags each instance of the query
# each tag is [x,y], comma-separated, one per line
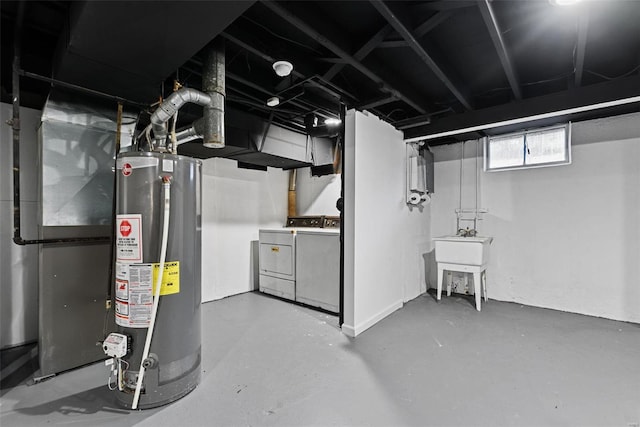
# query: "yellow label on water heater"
[170,278]
[275,249]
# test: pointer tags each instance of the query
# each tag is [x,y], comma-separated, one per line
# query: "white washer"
[277,262]
[317,253]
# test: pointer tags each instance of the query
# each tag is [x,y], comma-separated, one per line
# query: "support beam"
[377,102]
[565,105]
[399,25]
[490,21]
[361,53]
[431,23]
[295,73]
[392,44]
[309,31]
[581,46]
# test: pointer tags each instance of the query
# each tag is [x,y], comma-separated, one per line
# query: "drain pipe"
[213,83]
[292,209]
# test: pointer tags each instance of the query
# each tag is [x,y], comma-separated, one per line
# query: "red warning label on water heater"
[127,169]
[129,237]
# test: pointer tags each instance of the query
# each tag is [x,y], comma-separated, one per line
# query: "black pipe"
[343,117]
[82,89]
[15,122]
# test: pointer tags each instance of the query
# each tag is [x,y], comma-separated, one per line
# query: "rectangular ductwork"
[254,141]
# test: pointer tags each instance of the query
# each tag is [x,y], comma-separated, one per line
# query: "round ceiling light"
[273,101]
[282,68]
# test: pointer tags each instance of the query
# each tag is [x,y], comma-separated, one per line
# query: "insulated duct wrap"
[213,83]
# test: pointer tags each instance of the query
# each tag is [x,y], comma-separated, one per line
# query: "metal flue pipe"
[170,106]
[213,83]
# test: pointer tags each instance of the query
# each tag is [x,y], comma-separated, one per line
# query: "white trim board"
[353,331]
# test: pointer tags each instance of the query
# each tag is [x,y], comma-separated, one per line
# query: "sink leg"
[484,284]
[440,279]
[477,289]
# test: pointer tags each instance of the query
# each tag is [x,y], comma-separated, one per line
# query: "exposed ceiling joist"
[392,44]
[581,46]
[361,53]
[377,102]
[399,24]
[270,59]
[431,23]
[311,32]
[490,21]
[574,98]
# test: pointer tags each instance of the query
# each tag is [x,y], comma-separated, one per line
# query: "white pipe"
[166,187]
[519,120]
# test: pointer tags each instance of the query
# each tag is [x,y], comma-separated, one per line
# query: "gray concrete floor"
[267,362]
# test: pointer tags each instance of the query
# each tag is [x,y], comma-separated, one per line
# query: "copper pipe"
[292,208]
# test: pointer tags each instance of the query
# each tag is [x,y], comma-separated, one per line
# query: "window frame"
[523,134]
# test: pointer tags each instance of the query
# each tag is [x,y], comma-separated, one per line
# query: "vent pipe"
[170,107]
[213,84]
[211,126]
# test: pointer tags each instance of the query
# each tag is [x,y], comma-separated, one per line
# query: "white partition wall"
[385,240]
[236,203]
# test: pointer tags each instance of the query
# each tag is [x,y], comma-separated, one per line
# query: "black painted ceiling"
[424,66]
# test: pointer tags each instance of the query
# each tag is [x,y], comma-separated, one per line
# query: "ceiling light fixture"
[282,68]
[332,122]
[273,101]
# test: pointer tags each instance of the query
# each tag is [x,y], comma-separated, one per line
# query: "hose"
[166,187]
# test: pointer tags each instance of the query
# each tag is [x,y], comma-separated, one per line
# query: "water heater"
[155,352]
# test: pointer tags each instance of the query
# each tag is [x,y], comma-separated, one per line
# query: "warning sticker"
[170,277]
[134,299]
[129,237]
[122,290]
[134,290]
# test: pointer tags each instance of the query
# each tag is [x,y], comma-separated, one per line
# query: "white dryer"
[277,262]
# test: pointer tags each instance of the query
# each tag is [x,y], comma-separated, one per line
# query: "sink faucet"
[467,233]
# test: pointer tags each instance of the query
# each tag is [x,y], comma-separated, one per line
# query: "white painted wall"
[385,240]
[236,203]
[18,264]
[317,195]
[566,237]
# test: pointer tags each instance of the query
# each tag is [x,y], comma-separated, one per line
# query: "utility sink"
[462,250]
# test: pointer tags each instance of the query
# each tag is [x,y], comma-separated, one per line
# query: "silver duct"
[213,83]
[170,106]
[211,126]
[195,131]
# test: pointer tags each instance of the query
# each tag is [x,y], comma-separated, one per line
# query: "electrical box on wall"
[419,174]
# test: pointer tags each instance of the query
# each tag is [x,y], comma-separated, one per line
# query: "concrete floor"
[267,362]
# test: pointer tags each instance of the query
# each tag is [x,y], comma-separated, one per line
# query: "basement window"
[529,149]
